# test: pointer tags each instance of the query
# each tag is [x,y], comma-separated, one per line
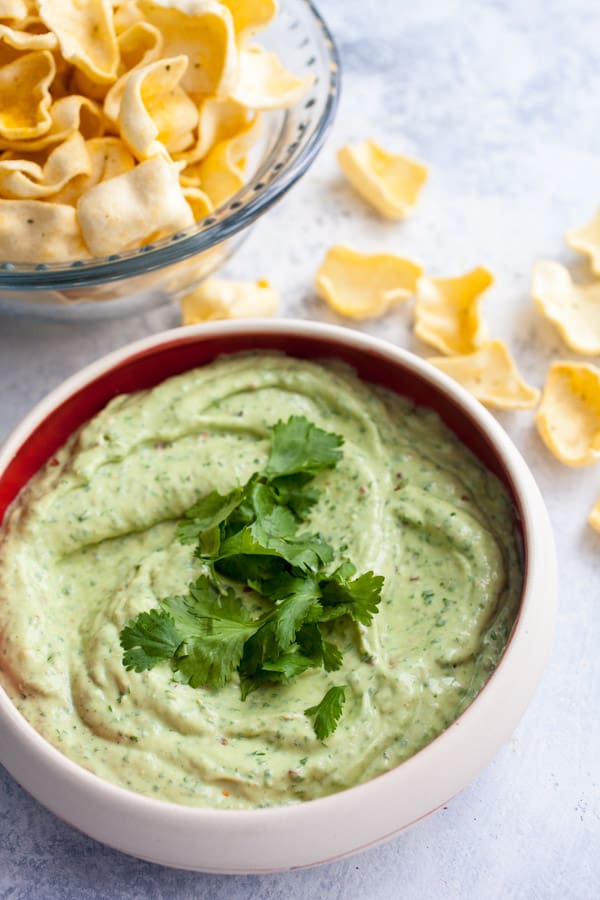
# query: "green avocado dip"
[91,543]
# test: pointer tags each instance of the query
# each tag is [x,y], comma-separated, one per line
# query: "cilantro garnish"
[327,713]
[252,537]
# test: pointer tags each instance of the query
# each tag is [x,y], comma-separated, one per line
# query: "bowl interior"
[291,140]
[145,368]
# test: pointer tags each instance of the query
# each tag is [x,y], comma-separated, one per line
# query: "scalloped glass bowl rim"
[205,234]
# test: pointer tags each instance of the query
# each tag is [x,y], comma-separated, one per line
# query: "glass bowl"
[124,283]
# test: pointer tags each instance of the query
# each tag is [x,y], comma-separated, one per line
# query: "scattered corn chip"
[250,15]
[203,31]
[568,419]
[575,310]
[221,173]
[108,157]
[447,313]
[594,516]
[133,208]
[40,231]
[390,183]
[218,299]
[155,113]
[25,96]
[363,286]
[490,374]
[586,240]
[265,84]
[86,35]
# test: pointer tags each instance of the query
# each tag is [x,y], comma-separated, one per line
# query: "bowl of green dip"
[270,593]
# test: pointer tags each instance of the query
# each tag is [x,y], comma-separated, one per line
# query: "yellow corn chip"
[139,45]
[108,157]
[86,35]
[155,112]
[67,115]
[575,310]
[594,516]
[219,120]
[265,84]
[490,374]
[35,231]
[390,183]
[27,40]
[24,179]
[199,202]
[586,240]
[447,313]
[133,208]
[221,173]
[568,419]
[13,9]
[250,15]
[203,31]
[25,95]
[125,15]
[362,286]
[218,299]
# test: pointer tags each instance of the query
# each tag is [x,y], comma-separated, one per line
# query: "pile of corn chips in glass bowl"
[139,139]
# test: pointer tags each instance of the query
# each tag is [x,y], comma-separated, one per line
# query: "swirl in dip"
[90,543]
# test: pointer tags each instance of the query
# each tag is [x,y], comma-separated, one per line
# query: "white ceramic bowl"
[321,830]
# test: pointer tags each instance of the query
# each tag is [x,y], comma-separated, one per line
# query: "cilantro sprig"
[252,537]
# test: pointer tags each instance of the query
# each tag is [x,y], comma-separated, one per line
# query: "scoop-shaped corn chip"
[264,83]
[221,173]
[126,14]
[203,31]
[24,179]
[219,299]
[139,45]
[138,206]
[390,183]
[447,311]
[86,35]
[575,310]
[364,285]
[25,96]
[27,40]
[38,231]
[219,120]
[568,419]
[67,115]
[13,9]
[108,158]
[586,240]
[250,15]
[200,203]
[594,516]
[491,375]
[155,112]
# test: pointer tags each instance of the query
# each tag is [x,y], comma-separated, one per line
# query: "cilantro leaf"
[149,639]
[216,627]
[208,512]
[300,446]
[291,491]
[327,713]
[358,598]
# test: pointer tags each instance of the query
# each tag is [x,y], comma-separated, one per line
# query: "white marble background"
[501,99]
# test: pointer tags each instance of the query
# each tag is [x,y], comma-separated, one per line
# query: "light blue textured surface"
[501,100]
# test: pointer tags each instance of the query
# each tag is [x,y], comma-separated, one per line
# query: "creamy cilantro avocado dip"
[91,543]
